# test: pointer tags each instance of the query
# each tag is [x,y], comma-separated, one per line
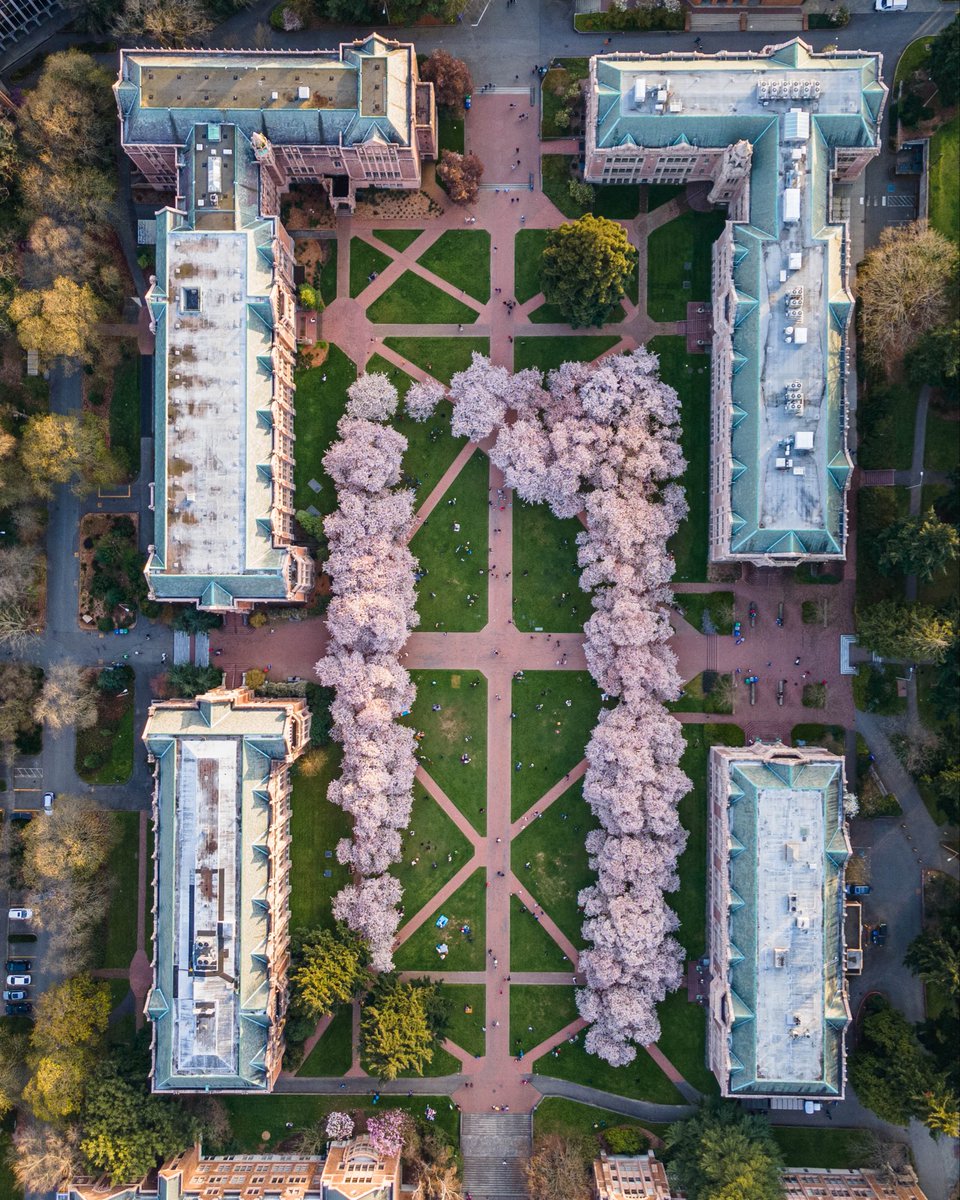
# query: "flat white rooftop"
[790,952]
[718,86]
[206,402]
[206,1038]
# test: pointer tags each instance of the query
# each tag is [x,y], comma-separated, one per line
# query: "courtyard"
[496,843]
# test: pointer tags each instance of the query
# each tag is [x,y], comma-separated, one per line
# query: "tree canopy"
[943,62]
[914,632]
[59,320]
[450,78]
[557,1169]
[329,969]
[395,1033]
[922,545]
[889,1069]
[586,268]
[723,1152]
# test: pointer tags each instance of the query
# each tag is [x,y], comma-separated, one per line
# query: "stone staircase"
[494,1147]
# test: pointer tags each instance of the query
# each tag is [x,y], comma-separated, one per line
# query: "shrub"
[625,1139]
[814,695]
[257,620]
[810,612]
[105,624]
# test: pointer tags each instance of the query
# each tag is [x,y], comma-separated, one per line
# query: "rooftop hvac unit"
[639,92]
[303,93]
[780,956]
[799,470]
[800,335]
[791,205]
[274,95]
[804,440]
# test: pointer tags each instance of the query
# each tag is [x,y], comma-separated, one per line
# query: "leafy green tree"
[934,955]
[126,1131]
[330,969]
[13,1067]
[943,62]
[115,679]
[188,680]
[724,1153]
[394,1030]
[586,267]
[939,1111]
[192,620]
[922,545]
[70,1023]
[307,297]
[57,448]
[910,631]
[935,360]
[889,1067]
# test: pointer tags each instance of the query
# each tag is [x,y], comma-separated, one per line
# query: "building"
[778,846]
[221,811]
[811,1183]
[773,133]
[228,133]
[20,17]
[349,1171]
[630,1177]
[642,1177]
[350,118]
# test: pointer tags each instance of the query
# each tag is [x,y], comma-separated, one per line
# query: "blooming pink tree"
[388,1131]
[372,398]
[340,1126]
[422,399]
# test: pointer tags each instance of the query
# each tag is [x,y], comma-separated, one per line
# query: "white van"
[889,5]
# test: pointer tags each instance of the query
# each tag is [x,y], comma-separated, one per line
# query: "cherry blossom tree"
[370,909]
[388,1131]
[422,399]
[340,1126]
[372,398]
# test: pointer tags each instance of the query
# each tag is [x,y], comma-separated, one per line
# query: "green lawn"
[413,300]
[398,239]
[687,239]
[450,132]
[875,689]
[550,742]
[456,560]
[125,415]
[659,194]
[547,353]
[528,251]
[442,1063]
[328,272]
[559,79]
[942,449]
[431,447]
[944,170]
[466,1028]
[569,1118]
[333,1054]
[830,737]
[431,837]
[252,1116]
[717,606]
[690,902]
[830,1149]
[913,57]
[315,828]
[119,943]
[364,260]
[707,692]
[104,754]
[690,375]
[553,846]
[9,1188]
[461,257]
[463,713]
[545,1007]
[531,947]
[641,1080]
[320,404]
[617,202]
[877,507]
[683,1039]
[886,416]
[442,357]
[546,591]
[466,908]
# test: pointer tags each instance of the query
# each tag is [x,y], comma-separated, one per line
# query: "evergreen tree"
[922,545]
[723,1152]
[586,267]
[331,969]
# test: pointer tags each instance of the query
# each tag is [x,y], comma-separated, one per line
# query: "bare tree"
[67,698]
[41,1157]
[18,627]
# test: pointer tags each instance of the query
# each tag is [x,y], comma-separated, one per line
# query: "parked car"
[890,5]
[21,1009]
[48,798]
[858,889]
[19,964]
[18,980]
[20,914]
[15,995]
[878,935]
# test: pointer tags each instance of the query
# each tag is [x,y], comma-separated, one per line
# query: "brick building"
[776,134]
[221,812]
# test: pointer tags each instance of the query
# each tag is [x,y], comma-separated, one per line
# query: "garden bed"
[112,584]
[104,754]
